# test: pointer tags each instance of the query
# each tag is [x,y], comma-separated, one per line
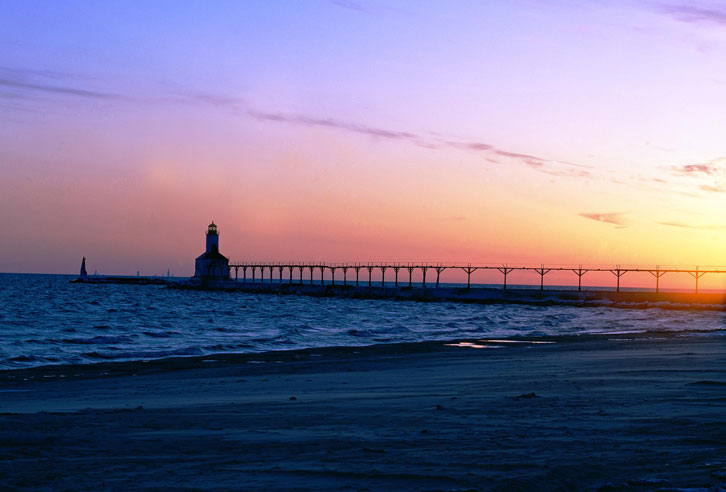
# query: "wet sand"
[585,413]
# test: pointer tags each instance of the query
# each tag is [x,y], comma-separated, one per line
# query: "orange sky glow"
[584,158]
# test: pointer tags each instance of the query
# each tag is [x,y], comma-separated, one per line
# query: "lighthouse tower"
[212,238]
[212,265]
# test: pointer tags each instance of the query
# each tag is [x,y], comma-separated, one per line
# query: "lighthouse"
[212,265]
[212,238]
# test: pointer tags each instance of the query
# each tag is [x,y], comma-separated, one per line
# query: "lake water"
[44,319]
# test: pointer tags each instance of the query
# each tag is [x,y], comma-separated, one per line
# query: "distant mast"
[84,273]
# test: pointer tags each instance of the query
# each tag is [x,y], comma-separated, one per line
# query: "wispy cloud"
[213,99]
[607,218]
[28,87]
[697,14]
[31,85]
[474,146]
[369,6]
[337,124]
[691,226]
[492,153]
[705,171]
[696,169]
[677,224]
[20,82]
[14,84]
[350,4]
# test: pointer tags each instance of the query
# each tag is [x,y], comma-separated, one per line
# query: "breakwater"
[480,295]
[102,279]
[444,293]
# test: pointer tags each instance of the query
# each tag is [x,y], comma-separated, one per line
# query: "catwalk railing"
[295,272]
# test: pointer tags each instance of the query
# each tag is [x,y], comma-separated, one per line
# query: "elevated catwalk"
[292,273]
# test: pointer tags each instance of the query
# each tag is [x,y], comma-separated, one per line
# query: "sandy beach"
[583,413]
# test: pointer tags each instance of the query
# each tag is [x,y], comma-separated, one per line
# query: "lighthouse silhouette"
[212,265]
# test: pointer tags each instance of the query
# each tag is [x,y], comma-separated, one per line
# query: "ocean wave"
[360,333]
[31,359]
[24,358]
[99,340]
[224,329]
[68,328]
[160,334]
[230,347]
[142,355]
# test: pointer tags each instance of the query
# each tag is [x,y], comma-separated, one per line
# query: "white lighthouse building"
[212,265]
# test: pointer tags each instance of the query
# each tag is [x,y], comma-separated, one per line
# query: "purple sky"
[556,131]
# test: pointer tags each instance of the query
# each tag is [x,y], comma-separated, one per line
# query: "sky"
[517,131]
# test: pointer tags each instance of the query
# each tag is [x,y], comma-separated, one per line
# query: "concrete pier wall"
[667,300]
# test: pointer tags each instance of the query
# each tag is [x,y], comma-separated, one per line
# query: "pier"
[387,280]
[401,274]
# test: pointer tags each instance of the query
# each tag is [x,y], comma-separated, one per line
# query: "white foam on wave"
[471,345]
[532,342]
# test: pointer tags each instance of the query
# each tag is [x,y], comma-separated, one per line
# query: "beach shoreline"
[616,412]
